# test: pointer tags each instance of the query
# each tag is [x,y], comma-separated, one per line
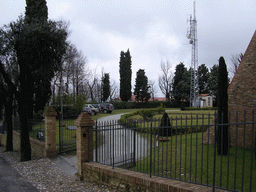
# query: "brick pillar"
[84,142]
[50,132]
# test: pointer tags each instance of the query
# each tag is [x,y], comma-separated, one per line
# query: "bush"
[182,106]
[160,109]
[147,113]
[165,128]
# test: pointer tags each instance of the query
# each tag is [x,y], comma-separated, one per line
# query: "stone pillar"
[84,142]
[50,132]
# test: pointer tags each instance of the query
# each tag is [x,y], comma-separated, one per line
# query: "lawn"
[183,157]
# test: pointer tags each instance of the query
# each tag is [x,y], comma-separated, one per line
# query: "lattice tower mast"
[192,36]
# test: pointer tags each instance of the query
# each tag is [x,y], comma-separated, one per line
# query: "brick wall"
[242,96]
[125,180]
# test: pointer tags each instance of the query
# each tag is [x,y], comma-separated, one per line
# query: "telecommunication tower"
[192,36]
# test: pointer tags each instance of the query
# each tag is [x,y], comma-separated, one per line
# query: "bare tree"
[165,79]
[152,89]
[72,73]
[113,90]
[94,86]
[235,61]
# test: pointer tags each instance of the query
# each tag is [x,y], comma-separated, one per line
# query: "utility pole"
[192,36]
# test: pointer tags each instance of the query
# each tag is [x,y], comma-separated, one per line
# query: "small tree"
[141,86]
[165,128]
[105,87]
[222,103]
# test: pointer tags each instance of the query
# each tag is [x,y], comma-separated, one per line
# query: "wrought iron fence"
[66,134]
[185,151]
[35,126]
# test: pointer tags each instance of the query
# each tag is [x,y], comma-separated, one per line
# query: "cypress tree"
[222,134]
[125,75]
[105,87]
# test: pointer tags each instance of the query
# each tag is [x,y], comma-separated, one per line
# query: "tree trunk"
[25,90]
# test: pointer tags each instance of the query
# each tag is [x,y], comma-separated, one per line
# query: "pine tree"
[222,103]
[125,75]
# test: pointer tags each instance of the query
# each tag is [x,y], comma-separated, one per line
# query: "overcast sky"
[153,30]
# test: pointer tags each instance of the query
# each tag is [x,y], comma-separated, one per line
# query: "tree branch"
[7,79]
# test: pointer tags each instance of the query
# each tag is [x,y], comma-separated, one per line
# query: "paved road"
[11,180]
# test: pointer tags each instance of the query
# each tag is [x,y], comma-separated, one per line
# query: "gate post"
[50,132]
[84,142]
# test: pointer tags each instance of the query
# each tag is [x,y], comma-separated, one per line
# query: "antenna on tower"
[192,36]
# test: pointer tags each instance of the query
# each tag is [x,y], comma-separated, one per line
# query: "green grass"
[183,157]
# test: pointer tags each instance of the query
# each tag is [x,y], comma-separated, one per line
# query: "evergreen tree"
[181,83]
[141,86]
[165,128]
[203,77]
[39,46]
[36,11]
[105,87]
[222,102]
[125,75]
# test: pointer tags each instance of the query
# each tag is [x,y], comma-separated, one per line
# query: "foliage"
[213,78]
[182,106]
[105,87]
[181,83]
[147,113]
[200,109]
[203,77]
[141,89]
[39,46]
[222,130]
[160,109]
[125,75]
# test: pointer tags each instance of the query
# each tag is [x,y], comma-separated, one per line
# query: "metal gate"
[114,145]
[66,136]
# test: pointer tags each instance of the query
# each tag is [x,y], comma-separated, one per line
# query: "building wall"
[242,96]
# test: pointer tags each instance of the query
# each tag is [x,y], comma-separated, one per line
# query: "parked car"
[90,109]
[106,107]
[96,106]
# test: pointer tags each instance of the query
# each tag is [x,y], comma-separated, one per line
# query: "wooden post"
[50,132]
[84,142]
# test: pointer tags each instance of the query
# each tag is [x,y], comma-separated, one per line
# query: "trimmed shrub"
[182,106]
[165,128]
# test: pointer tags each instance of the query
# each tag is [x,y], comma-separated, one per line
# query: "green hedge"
[205,108]
[149,104]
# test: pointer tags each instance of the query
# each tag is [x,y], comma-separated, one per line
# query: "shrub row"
[205,108]
[145,113]
[174,130]
[150,104]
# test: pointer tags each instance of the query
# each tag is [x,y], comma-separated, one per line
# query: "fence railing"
[66,134]
[185,151]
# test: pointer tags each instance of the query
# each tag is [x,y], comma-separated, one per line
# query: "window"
[209,101]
